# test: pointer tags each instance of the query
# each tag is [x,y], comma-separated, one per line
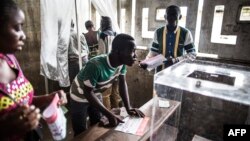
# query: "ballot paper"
[154,62]
[133,125]
[164,103]
[123,112]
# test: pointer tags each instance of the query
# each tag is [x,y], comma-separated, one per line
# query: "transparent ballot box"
[211,94]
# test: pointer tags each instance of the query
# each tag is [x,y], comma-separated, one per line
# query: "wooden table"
[109,134]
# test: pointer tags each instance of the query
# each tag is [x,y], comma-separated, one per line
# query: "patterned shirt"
[92,38]
[19,89]
[97,74]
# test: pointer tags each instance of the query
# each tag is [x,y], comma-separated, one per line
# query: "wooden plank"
[161,115]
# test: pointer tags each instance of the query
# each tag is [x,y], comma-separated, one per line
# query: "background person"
[171,40]
[111,97]
[92,39]
[73,53]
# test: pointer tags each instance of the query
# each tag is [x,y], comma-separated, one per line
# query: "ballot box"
[211,93]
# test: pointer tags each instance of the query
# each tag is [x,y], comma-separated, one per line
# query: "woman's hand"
[135,112]
[20,120]
[62,95]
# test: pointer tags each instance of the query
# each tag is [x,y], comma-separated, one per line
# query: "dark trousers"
[79,113]
[73,69]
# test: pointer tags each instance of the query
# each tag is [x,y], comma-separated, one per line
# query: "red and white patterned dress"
[20,89]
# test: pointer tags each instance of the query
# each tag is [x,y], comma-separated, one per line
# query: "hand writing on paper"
[114,120]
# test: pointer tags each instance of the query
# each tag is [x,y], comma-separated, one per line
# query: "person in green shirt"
[97,76]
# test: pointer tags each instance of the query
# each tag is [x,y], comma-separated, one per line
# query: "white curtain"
[56,17]
[107,8]
[55,31]
[83,8]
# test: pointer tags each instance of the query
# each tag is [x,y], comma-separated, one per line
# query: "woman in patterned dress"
[19,108]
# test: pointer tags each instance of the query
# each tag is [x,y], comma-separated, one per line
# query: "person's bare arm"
[44,100]
[123,89]
[94,101]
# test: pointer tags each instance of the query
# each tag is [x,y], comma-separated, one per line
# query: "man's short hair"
[106,19]
[173,7]
[89,24]
[121,42]
[106,23]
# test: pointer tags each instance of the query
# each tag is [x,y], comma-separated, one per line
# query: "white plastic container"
[55,119]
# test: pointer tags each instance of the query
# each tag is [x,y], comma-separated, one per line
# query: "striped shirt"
[97,74]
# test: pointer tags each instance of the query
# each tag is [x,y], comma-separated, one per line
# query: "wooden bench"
[109,134]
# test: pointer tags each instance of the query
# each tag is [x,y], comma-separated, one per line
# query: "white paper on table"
[133,125]
[164,103]
[123,112]
[154,62]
